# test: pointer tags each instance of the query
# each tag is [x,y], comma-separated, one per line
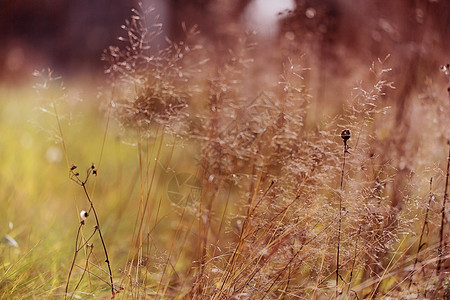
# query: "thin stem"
[73,261]
[84,272]
[425,224]
[63,143]
[340,221]
[387,269]
[295,255]
[441,231]
[354,261]
[101,237]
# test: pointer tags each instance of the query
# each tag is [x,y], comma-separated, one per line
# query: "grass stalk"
[388,267]
[422,232]
[441,249]
[354,260]
[345,136]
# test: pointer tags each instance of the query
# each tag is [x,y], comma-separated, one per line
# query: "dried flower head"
[345,134]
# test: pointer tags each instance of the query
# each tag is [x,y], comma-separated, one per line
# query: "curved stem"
[83,184]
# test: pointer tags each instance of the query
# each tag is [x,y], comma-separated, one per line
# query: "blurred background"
[69,36]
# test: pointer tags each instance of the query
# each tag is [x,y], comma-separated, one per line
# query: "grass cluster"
[202,179]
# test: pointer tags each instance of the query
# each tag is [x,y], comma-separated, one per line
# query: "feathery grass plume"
[361,116]
[226,142]
[152,88]
[270,236]
[152,85]
[51,94]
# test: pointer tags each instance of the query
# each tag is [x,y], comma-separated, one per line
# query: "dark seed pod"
[345,135]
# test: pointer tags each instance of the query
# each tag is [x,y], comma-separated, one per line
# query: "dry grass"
[243,190]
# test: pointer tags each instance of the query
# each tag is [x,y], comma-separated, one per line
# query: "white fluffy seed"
[84,214]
